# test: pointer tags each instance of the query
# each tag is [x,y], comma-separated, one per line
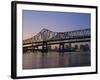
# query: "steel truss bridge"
[47,38]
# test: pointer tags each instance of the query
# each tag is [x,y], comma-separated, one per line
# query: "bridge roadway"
[61,43]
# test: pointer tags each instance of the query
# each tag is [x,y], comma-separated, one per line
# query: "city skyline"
[34,21]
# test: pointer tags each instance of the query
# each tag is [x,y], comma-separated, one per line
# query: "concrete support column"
[44,47]
[69,45]
[33,47]
[61,47]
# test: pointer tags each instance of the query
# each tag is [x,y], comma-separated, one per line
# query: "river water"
[53,59]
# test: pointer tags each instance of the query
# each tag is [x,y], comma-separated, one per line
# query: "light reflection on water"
[54,59]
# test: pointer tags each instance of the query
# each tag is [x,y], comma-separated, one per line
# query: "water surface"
[53,59]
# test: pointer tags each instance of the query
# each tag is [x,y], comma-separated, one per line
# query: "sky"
[34,21]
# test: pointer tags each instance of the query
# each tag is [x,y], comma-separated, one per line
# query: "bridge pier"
[45,47]
[25,49]
[33,47]
[61,47]
[70,45]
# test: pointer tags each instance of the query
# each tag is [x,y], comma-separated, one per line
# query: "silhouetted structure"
[47,40]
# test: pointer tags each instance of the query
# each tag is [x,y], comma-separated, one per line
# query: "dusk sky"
[34,21]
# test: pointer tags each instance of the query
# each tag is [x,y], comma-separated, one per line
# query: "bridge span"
[46,40]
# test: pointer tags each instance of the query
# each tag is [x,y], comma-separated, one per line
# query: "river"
[36,60]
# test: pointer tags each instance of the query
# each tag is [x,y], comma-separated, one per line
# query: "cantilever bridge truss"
[47,38]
